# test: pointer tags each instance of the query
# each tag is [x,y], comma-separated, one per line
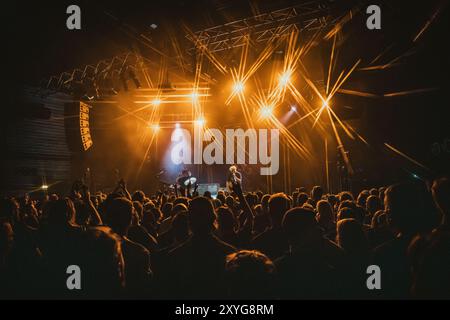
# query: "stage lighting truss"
[105,78]
[308,16]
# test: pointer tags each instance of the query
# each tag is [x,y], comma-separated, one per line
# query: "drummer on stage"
[185,181]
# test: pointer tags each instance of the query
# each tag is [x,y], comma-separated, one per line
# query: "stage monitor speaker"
[211,187]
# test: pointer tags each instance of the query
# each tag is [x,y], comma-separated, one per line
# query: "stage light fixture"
[266,111]
[325,105]
[156,102]
[293,108]
[238,87]
[285,78]
[194,96]
[44,187]
[200,121]
[155,127]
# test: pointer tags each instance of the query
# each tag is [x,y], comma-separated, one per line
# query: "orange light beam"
[405,156]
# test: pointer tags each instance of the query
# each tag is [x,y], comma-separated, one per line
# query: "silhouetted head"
[345,195]
[278,205]
[207,194]
[182,200]
[166,209]
[249,275]
[180,207]
[61,212]
[351,237]
[9,210]
[346,213]
[150,220]
[407,208]
[347,204]
[225,220]
[221,196]
[302,198]
[325,213]
[180,226]
[252,199]
[101,263]
[229,201]
[373,204]
[119,213]
[379,219]
[201,216]
[138,196]
[300,225]
[332,199]
[316,193]
[362,197]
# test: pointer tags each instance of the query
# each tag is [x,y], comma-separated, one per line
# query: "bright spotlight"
[156,102]
[194,96]
[177,125]
[44,187]
[285,78]
[238,87]
[200,121]
[155,127]
[325,105]
[266,111]
[293,108]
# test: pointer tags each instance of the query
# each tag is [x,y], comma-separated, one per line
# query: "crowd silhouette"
[238,245]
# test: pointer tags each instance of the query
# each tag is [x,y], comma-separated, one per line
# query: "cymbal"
[190,180]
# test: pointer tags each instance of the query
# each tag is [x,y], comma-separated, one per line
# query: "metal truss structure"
[108,74]
[307,16]
[91,79]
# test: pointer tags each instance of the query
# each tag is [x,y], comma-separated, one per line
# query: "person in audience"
[166,236]
[195,268]
[310,267]
[261,220]
[273,241]
[325,218]
[345,195]
[119,214]
[101,262]
[319,249]
[380,231]
[226,226]
[302,199]
[353,241]
[362,198]
[373,204]
[408,215]
[249,274]
[137,232]
[430,253]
